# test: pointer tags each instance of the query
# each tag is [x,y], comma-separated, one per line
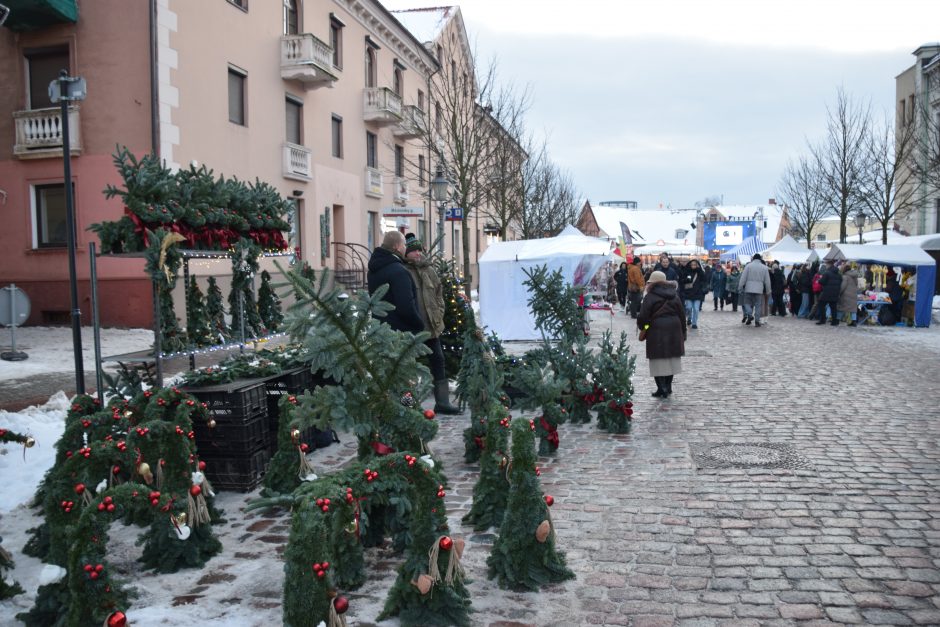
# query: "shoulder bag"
[642,335]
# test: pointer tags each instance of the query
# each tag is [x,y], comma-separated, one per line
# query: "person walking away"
[793,285]
[621,277]
[386,267]
[848,294]
[696,286]
[663,318]
[635,284]
[718,282]
[831,284]
[431,307]
[753,283]
[611,286]
[815,287]
[777,285]
[731,287]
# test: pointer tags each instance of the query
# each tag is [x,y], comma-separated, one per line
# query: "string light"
[221,347]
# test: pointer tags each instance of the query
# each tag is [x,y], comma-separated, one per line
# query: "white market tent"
[671,248]
[504,299]
[904,256]
[788,252]
[746,248]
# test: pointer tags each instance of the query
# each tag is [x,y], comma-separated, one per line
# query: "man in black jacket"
[386,268]
[831,281]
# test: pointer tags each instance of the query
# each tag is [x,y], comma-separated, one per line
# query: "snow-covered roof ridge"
[426,23]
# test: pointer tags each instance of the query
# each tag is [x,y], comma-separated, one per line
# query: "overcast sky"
[670,101]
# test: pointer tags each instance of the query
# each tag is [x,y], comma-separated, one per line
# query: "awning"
[35,14]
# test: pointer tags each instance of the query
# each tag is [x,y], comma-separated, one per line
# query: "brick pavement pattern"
[851,538]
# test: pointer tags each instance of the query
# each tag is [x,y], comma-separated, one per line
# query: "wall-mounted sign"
[454,214]
[403,212]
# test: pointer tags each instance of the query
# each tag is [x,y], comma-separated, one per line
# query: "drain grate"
[748,455]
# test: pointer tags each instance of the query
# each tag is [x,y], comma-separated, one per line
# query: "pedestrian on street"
[830,282]
[667,267]
[806,289]
[431,307]
[777,286]
[718,283]
[848,294]
[731,287]
[635,285]
[621,277]
[386,267]
[793,285]
[663,317]
[753,284]
[696,286]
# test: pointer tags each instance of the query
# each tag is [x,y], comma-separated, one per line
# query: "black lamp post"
[440,191]
[65,90]
[860,218]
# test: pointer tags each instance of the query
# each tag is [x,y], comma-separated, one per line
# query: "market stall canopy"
[788,252]
[904,256]
[747,248]
[675,249]
[930,241]
[27,15]
[504,299]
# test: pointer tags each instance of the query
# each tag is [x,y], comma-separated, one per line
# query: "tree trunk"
[465,238]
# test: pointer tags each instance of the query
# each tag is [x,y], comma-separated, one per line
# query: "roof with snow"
[425,24]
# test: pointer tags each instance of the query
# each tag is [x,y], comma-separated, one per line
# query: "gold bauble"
[181,518]
[212,423]
[295,434]
[144,468]
[29,443]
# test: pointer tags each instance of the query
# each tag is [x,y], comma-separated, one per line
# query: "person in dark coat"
[793,285]
[718,282]
[695,288]
[667,267]
[831,281]
[778,283]
[386,268]
[636,282]
[620,276]
[663,317]
[806,288]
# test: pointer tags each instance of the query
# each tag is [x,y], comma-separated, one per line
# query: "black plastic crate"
[235,401]
[292,382]
[233,434]
[240,473]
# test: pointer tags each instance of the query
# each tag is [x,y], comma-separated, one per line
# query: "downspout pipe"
[154,84]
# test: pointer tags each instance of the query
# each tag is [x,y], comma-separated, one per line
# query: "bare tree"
[708,201]
[549,198]
[505,189]
[890,188]
[800,189]
[842,157]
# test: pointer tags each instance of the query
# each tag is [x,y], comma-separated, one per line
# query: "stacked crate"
[237,448]
[294,382]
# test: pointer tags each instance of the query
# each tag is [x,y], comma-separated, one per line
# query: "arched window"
[370,67]
[398,85]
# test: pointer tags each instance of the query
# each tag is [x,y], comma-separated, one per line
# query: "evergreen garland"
[241,298]
[198,328]
[215,311]
[520,559]
[269,305]
[163,263]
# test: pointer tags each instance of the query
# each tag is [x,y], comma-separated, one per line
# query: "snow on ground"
[50,348]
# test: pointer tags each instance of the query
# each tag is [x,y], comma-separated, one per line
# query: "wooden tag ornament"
[423,583]
[541,533]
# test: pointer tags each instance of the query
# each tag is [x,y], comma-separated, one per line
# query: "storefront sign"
[403,212]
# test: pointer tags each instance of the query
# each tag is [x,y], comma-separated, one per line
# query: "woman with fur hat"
[663,317]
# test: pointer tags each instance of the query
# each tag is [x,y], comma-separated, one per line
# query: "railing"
[412,123]
[306,58]
[39,132]
[351,261]
[401,190]
[373,179]
[381,104]
[297,162]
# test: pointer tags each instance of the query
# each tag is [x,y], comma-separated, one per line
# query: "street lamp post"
[65,90]
[860,218]
[440,191]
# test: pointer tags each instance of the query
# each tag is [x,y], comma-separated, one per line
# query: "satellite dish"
[14,310]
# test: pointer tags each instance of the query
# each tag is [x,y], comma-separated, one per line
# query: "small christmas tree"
[308,579]
[524,555]
[269,305]
[163,262]
[215,310]
[458,315]
[615,368]
[197,319]
[479,382]
[241,299]
[492,488]
[554,305]
[543,393]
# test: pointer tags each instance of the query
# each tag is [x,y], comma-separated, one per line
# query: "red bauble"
[304,447]
[429,414]
[446,543]
[202,466]
[549,500]
[93,574]
[79,488]
[195,490]
[117,619]
[341,604]
[116,470]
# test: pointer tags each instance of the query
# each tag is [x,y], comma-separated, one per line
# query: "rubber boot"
[660,387]
[442,399]
[668,385]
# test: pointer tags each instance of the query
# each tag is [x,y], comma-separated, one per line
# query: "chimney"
[772,201]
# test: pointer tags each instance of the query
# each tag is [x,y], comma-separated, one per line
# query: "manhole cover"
[748,455]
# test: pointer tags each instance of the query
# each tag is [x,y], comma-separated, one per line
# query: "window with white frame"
[291,17]
[49,223]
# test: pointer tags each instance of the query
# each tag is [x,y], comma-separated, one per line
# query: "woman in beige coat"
[848,293]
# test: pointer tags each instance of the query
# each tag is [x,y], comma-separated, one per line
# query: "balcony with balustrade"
[413,123]
[373,183]
[39,133]
[381,106]
[401,191]
[296,162]
[306,59]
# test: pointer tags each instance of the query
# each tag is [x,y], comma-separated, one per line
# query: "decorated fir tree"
[525,555]
[163,262]
[554,305]
[246,323]
[458,315]
[198,328]
[492,488]
[215,311]
[269,305]
[543,393]
[615,368]
[479,383]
